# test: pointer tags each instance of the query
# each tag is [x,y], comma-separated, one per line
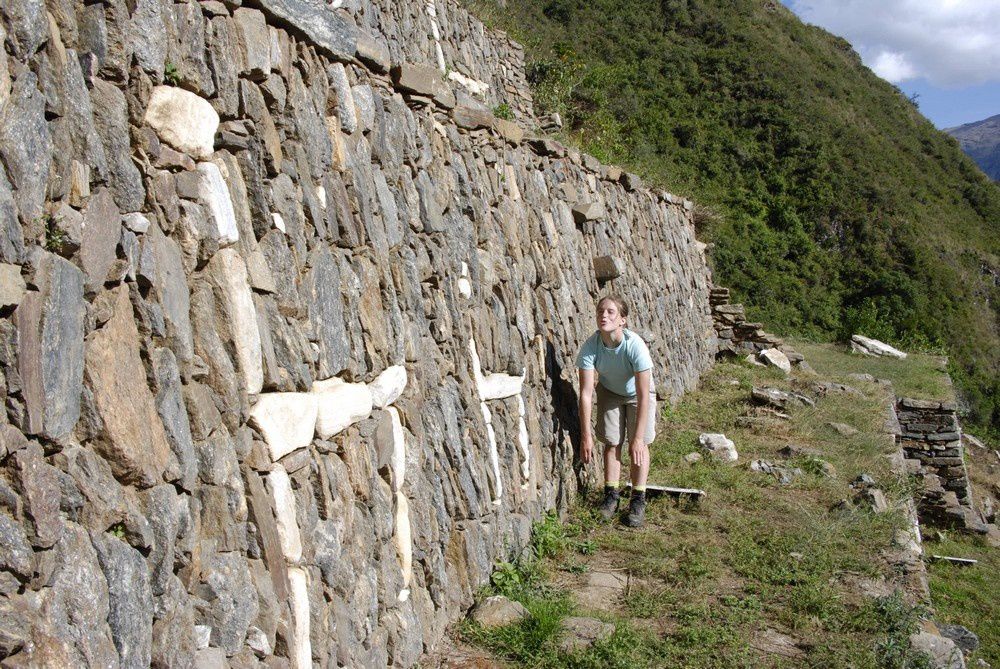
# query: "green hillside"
[834,205]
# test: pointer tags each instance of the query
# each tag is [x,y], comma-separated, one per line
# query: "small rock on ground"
[843,429]
[963,637]
[601,589]
[498,611]
[719,446]
[942,652]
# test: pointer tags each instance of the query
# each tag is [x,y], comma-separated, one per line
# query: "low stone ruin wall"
[931,436]
[738,337]
[287,331]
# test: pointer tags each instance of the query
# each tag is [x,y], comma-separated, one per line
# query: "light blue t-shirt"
[616,367]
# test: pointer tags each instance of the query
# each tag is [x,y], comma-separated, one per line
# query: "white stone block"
[775,358]
[404,542]
[284,511]
[214,193]
[522,441]
[719,446]
[301,655]
[185,121]
[389,385]
[228,273]
[867,346]
[340,405]
[398,461]
[287,421]
[278,222]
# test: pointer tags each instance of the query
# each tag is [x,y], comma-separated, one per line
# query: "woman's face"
[609,319]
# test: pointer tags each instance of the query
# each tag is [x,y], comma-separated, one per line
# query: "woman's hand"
[586,447]
[638,452]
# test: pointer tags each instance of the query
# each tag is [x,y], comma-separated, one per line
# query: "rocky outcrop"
[288,326]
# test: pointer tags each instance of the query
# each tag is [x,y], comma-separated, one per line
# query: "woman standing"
[618,361]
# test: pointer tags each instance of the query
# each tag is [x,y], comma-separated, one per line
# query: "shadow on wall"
[565,423]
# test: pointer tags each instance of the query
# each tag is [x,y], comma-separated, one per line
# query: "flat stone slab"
[874,347]
[775,358]
[601,589]
[582,633]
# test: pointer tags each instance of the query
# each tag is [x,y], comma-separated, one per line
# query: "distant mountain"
[981,140]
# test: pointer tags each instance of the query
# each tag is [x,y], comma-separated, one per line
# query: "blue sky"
[945,51]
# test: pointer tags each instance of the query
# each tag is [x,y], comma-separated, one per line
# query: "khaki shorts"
[616,417]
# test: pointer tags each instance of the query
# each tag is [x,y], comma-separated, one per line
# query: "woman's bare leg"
[612,464]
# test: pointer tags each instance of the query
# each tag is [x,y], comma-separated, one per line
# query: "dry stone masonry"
[287,325]
[738,337]
[931,437]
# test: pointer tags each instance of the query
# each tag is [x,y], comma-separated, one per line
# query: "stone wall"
[738,337]
[931,436]
[287,329]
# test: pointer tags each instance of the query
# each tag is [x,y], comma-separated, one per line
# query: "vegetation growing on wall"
[835,207]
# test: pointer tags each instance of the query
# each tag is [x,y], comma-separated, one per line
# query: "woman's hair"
[619,302]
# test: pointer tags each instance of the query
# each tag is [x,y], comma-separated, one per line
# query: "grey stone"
[233,600]
[632,182]
[323,296]
[11,234]
[111,120]
[78,116]
[498,611]
[173,628]
[27,25]
[15,551]
[255,42]
[38,485]
[171,409]
[423,80]
[136,444]
[346,111]
[161,264]
[843,429]
[719,447]
[26,146]
[50,326]
[581,633]
[130,599]
[332,31]
[963,637]
[150,51]
[472,118]
[187,51]
[941,652]
[12,286]
[373,53]
[101,232]
[79,601]
[608,267]
[588,211]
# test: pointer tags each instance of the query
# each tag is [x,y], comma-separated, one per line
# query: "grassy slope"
[840,208]
[705,581]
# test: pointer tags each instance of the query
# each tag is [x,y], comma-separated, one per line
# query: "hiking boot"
[636,510]
[609,505]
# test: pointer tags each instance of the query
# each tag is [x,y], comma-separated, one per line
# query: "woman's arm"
[639,449]
[587,377]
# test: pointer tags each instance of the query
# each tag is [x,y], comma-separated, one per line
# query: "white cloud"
[893,66]
[952,43]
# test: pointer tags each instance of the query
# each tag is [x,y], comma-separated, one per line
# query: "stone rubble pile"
[288,321]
